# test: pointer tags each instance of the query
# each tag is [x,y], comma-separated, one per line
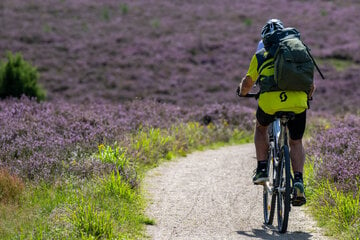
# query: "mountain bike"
[280,183]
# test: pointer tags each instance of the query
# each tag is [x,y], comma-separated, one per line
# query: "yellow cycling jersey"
[273,101]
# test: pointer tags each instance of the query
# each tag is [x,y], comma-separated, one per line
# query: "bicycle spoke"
[269,198]
[284,191]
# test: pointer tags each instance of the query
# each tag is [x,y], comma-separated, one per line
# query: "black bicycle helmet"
[271,26]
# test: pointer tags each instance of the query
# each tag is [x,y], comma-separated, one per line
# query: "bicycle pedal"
[260,183]
[298,201]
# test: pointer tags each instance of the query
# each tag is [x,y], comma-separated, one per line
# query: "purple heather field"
[110,66]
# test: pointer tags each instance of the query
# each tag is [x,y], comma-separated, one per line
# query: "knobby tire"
[269,196]
[269,199]
[283,206]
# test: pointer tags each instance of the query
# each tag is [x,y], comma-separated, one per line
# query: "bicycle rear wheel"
[269,197]
[283,199]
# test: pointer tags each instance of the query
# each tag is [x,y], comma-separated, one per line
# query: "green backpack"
[293,63]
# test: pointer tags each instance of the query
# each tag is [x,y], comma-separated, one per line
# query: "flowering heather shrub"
[47,140]
[182,59]
[339,92]
[187,53]
[337,153]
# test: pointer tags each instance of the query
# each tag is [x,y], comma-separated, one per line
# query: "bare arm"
[312,90]
[246,85]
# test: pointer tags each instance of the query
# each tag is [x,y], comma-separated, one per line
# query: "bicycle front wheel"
[269,197]
[283,203]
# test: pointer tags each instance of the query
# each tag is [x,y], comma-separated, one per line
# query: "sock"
[298,176]
[262,165]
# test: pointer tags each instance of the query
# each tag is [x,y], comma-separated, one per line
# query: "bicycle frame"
[274,129]
[279,187]
[283,137]
[284,179]
[280,178]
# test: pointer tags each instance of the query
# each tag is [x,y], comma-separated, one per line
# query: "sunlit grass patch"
[337,211]
[96,208]
[114,155]
[115,185]
[153,145]
[90,221]
[340,65]
[29,218]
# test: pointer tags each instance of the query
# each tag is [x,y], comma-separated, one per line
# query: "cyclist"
[269,103]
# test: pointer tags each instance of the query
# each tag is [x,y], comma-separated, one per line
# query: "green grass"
[115,155]
[124,8]
[100,208]
[155,23]
[339,64]
[109,206]
[337,212]
[248,22]
[105,14]
[154,145]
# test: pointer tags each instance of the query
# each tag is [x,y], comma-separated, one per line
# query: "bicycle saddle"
[288,115]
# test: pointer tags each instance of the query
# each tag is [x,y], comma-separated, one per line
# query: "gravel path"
[210,195]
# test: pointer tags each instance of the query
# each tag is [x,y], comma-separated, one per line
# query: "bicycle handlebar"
[256,95]
[250,95]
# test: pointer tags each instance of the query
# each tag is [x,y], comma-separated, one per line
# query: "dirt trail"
[210,195]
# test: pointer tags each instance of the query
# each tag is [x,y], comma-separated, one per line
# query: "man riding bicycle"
[261,69]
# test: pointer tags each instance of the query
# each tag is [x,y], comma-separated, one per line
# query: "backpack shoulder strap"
[261,57]
[317,67]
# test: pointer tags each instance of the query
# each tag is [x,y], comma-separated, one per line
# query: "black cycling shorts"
[296,126]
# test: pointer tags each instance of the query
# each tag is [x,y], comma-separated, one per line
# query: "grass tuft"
[115,185]
[124,8]
[91,222]
[114,155]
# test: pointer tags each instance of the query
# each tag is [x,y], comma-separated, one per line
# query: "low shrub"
[18,77]
[11,187]
[42,141]
[337,153]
